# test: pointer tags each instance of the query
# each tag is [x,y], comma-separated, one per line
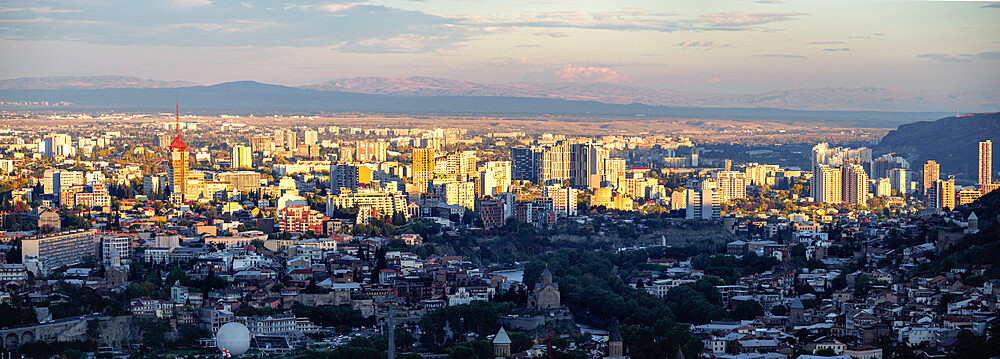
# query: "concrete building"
[60,249]
[242,157]
[985,162]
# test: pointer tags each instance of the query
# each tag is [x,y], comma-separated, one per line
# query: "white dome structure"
[234,338]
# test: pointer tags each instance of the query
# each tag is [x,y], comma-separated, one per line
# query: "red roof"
[178,143]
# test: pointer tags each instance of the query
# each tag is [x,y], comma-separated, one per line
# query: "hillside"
[817,99]
[951,141]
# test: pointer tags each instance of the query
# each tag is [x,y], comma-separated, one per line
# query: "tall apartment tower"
[827,184]
[943,194]
[241,157]
[985,162]
[855,187]
[422,167]
[931,173]
[179,171]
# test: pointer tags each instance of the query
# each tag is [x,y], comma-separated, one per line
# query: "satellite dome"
[234,337]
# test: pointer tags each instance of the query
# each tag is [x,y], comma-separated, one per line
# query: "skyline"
[746,46]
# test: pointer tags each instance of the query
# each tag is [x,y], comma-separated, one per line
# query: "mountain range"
[816,99]
[248,97]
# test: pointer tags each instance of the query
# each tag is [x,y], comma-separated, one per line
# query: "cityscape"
[578,214]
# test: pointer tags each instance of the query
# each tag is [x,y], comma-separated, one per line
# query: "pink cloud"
[571,73]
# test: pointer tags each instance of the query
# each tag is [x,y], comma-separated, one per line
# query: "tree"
[779,309]
[747,309]
[519,342]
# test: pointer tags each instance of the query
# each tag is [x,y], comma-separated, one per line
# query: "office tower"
[827,184]
[526,163]
[154,185]
[587,166]
[310,137]
[178,173]
[241,157]
[931,173]
[704,201]
[943,194]
[695,153]
[900,180]
[855,187]
[732,185]
[985,162]
[60,249]
[461,193]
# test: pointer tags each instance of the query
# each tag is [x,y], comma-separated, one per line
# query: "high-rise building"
[900,180]
[242,157]
[461,193]
[564,200]
[985,162]
[371,151]
[614,171]
[557,162]
[930,174]
[704,201]
[494,178]
[827,184]
[855,187]
[732,185]
[179,166]
[422,167]
[310,137]
[526,163]
[944,194]
[587,168]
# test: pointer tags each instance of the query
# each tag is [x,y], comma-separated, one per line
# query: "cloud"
[868,37]
[982,56]
[700,44]
[335,8]
[190,3]
[835,50]
[578,74]
[825,42]
[993,5]
[789,56]
[745,20]
[771,2]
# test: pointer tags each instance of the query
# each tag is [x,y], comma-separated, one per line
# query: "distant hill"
[86,82]
[950,141]
[816,99]
[819,99]
[252,97]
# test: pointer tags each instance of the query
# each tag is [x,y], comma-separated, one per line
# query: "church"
[545,294]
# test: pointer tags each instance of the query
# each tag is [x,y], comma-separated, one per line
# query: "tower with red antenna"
[179,167]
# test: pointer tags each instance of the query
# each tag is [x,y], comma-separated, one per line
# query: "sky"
[700,46]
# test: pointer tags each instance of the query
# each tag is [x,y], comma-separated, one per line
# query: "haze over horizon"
[721,47]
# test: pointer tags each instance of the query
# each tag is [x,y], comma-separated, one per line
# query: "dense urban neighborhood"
[146,235]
